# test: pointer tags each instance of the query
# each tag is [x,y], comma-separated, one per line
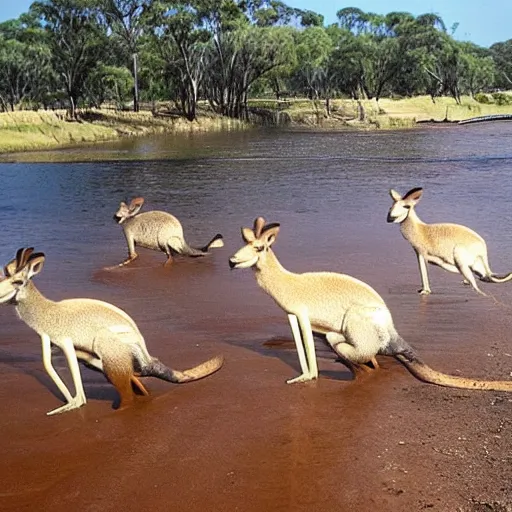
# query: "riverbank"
[385,114]
[28,130]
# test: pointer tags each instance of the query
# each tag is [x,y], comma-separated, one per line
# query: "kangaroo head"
[127,211]
[18,273]
[403,205]
[258,241]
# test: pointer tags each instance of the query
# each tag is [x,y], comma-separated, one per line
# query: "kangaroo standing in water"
[96,332]
[352,315]
[156,230]
[453,247]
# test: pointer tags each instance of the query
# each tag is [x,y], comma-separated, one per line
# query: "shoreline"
[25,131]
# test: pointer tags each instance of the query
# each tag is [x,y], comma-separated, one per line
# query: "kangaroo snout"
[391,218]
[232,264]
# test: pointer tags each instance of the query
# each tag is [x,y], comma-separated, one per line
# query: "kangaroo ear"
[10,268]
[259,224]
[413,195]
[395,195]
[270,233]
[248,235]
[135,205]
[35,264]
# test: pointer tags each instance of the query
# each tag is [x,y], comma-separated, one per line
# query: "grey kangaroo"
[352,315]
[156,230]
[101,335]
[452,247]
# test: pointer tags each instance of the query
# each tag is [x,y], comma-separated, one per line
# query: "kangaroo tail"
[157,369]
[493,278]
[424,373]
[188,250]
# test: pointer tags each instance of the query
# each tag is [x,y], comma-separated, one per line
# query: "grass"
[28,130]
[385,114]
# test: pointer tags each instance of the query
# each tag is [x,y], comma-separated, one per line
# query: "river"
[242,439]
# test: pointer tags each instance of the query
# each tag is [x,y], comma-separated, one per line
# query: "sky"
[483,23]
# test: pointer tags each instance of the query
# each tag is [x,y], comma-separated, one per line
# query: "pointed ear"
[259,224]
[413,195]
[10,268]
[269,234]
[22,256]
[35,264]
[135,205]
[248,235]
[395,195]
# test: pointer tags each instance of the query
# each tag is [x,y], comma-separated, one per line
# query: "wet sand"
[242,439]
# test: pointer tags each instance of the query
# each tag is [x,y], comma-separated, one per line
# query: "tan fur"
[96,332]
[452,247]
[156,230]
[352,315]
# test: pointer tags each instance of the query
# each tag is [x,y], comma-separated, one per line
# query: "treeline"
[88,52]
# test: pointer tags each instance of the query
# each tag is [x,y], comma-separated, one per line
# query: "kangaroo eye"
[407,206]
[18,282]
[259,249]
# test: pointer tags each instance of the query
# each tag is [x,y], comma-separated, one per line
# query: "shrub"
[501,98]
[483,98]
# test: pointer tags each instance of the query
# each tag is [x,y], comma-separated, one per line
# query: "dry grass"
[385,114]
[27,130]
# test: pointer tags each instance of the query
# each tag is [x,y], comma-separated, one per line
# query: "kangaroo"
[99,334]
[452,247]
[156,230]
[352,315]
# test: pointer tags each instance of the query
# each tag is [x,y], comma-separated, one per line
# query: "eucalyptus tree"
[502,56]
[24,63]
[182,41]
[313,47]
[127,21]
[76,41]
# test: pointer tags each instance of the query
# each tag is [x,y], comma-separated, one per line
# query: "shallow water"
[329,191]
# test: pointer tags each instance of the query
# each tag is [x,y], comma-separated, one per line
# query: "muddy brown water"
[243,440]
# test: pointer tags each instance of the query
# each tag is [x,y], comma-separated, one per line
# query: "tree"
[76,42]
[127,21]
[502,56]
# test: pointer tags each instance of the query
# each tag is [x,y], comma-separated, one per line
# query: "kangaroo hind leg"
[364,336]
[334,339]
[117,360]
[461,258]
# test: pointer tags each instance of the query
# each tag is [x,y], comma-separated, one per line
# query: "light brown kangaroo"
[101,335]
[452,247]
[156,230]
[354,318]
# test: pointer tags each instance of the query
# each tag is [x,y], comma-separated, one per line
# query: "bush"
[483,98]
[501,98]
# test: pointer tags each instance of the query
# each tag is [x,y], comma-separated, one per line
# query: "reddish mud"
[242,439]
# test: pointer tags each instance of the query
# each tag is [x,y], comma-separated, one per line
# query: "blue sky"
[481,22]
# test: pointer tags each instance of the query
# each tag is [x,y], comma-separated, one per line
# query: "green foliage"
[87,52]
[483,98]
[501,98]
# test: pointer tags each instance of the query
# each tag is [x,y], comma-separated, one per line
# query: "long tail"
[157,369]
[188,250]
[493,278]
[423,372]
